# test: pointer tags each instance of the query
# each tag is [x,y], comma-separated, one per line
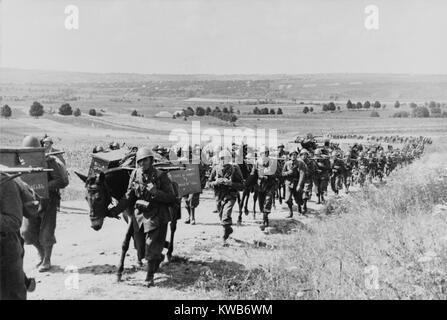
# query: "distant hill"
[382,87]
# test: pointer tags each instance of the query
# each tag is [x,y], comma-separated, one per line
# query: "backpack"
[63,172]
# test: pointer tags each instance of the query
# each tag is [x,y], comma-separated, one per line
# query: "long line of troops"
[292,175]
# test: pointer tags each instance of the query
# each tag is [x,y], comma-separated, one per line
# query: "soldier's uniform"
[311,168]
[267,183]
[338,172]
[349,166]
[322,175]
[16,201]
[150,193]
[40,231]
[226,179]
[293,172]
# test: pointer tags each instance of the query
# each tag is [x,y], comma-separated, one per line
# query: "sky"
[225,36]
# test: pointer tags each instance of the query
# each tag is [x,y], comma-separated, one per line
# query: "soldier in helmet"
[40,231]
[266,169]
[47,143]
[311,168]
[150,193]
[294,172]
[282,156]
[338,171]
[17,200]
[322,174]
[226,179]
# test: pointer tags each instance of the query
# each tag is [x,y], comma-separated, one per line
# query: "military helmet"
[144,153]
[31,142]
[334,153]
[281,145]
[292,151]
[47,139]
[318,152]
[304,151]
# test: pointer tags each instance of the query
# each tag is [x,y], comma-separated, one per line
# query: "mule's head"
[98,198]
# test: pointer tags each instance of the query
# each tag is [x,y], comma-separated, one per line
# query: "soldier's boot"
[304,206]
[322,199]
[46,263]
[193,216]
[151,269]
[290,210]
[30,284]
[159,261]
[41,254]
[227,231]
[299,208]
[265,222]
[318,199]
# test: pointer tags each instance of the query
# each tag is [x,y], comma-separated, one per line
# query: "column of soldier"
[286,176]
[291,176]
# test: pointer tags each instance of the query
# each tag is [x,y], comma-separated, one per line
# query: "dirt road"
[84,260]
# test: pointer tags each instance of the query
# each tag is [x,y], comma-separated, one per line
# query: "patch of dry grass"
[385,243]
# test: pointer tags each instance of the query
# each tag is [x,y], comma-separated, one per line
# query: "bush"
[305,110]
[208,111]
[359,105]
[401,114]
[367,104]
[332,106]
[77,112]
[374,114]
[311,109]
[421,112]
[200,111]
[377,105]
[92,112]
[65,110]
[279,111]
[349,104]
[396,104]
[272,111]
[134,113]
[6,111]
[36,109]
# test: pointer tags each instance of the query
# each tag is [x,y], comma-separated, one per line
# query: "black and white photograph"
[238,152]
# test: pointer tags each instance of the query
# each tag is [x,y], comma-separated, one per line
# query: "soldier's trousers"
[265,197]
[226,205]
[321,184]
[307,190]
[292,193]
[347,178]
[155,242]
[192,200]
[336,182]
[12,277]
[40,231]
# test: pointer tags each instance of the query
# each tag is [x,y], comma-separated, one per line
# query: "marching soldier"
[226,179]
[47,143]
[16,201]
[294,172]
[322,174]
[266,169]
[338,171]
[311,168]
[150,193]
[40,231]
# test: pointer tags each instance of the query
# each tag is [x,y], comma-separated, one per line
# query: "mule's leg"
[255,198]
[124,249]
[173,226]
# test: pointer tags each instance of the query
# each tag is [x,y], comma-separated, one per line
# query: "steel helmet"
[334,153]
[292,151]
[317,152]
[144,153]
[31,142]
[281,145]
[48,139]
[304,151]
